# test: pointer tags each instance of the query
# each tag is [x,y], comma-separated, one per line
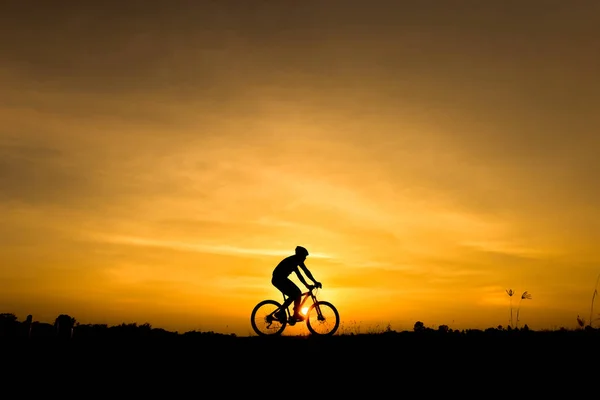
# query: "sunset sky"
[158,159]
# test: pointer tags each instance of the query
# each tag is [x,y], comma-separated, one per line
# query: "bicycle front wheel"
[263,319]
[322,319]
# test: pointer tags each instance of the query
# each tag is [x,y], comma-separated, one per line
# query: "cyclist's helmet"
[301,251]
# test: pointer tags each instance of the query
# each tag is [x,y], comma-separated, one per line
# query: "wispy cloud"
[199,247]
[508,248]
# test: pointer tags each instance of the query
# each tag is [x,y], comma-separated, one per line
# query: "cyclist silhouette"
[281,281]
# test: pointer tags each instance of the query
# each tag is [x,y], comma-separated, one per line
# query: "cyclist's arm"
[301,278]
[307,272]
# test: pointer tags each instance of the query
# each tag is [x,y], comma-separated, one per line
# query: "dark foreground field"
[477,364]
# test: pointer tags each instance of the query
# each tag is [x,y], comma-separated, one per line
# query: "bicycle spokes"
[323,319]
[320,316]
[263,319]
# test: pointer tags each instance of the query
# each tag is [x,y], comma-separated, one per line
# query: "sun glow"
[304,310]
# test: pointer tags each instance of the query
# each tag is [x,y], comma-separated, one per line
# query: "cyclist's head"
[301,252]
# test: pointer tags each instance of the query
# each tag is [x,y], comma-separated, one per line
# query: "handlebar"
[314,287]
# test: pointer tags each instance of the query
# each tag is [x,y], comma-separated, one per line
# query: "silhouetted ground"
[140,360]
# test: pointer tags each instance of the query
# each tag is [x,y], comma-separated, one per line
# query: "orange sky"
[156,162]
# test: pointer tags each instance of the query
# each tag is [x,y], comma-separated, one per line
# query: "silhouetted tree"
[8,324]
[419,327]
[64,325]
[8,317]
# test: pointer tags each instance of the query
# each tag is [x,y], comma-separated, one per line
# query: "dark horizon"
[67,326]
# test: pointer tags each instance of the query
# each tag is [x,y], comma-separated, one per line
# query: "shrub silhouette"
[419,327]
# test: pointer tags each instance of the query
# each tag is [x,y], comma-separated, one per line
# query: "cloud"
[510,249]
[199,247]
[39,175]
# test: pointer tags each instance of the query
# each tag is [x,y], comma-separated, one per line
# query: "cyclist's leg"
[280,284]
[294,293]
[290,289]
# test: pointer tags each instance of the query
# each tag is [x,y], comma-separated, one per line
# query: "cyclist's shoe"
[298,317]
[281,316]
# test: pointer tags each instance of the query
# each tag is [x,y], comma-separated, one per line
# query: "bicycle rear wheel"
[322,319]
[263,319]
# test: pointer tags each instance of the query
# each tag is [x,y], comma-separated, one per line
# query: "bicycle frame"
[305,296]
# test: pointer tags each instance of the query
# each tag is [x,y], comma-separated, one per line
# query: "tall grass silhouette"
[524,296]
[510,293]
[594,299]
[580,321]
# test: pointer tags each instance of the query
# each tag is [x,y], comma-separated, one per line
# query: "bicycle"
[322,318]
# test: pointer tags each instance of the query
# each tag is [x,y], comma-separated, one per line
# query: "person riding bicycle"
[282,281]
